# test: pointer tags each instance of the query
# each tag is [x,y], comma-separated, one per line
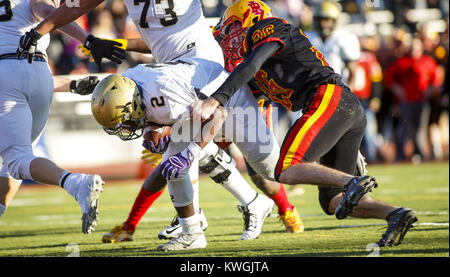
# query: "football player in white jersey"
[26,94]
[162,94]
[171,29]
[340,48]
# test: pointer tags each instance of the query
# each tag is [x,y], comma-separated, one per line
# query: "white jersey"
[174,28]
[168,89]
[16,19]
[341,47]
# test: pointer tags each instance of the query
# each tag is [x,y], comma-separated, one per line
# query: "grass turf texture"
[45,221]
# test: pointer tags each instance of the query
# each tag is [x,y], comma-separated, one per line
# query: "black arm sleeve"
[245,71]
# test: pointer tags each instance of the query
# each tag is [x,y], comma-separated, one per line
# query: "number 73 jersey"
[174,28]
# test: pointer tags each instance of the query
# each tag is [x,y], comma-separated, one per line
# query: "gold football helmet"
[236,20]
[117,105]
[328,10]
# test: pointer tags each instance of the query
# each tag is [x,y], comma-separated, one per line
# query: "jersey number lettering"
[169,11]
[164,21]
[157,102]
[8,11]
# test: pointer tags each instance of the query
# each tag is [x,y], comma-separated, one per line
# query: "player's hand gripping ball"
[157,138]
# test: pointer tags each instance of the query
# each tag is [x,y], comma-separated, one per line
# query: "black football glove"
[103,48]
[84,86]
[28,44]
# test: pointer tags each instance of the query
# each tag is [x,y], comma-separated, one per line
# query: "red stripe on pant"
[312,131]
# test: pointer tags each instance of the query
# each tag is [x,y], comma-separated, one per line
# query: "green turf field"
[46,222]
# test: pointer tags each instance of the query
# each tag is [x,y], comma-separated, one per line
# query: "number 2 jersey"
[293,74]
[16,19]
[169,88]
[174,28]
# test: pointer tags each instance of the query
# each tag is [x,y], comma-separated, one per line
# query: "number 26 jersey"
[292,74]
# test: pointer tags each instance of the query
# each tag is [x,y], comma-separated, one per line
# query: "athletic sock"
[63,179]
[281,200]
[191,224]
[2,209]
[142,203]
[71,181]
[239,188]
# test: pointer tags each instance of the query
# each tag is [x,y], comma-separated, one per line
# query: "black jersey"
[291,75]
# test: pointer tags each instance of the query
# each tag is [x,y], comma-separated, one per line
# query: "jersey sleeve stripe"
[271,39]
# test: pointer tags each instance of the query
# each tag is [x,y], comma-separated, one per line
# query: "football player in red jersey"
[279,58]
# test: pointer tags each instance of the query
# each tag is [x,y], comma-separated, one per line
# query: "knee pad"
[217,166]
[17,159]
[325,196]
[181,191]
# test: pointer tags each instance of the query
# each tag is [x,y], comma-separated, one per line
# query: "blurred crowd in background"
[402,76]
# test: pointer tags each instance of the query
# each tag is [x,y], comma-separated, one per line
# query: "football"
[155,132]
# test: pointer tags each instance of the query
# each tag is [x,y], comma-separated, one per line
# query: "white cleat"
[174,229]
[184,241]
[254,215]
[87,196]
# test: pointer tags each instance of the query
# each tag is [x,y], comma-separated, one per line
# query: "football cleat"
[361,165]
[174,229]
[118,234]
[399,222]
[354,191]
[292,221]
[184,241]
[254,215]
[87,196]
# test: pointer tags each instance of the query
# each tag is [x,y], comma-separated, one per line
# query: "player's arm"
[242,74]
[64,15]
[138,45]
[82,86]
[43,8]
[179,162]
[245,71]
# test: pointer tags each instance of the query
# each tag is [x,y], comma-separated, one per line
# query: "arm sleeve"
[245,71]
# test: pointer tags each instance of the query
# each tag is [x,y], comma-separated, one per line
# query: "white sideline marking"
[23,202]
[432,213]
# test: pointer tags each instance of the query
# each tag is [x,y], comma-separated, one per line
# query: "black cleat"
[354,191]
[399,222]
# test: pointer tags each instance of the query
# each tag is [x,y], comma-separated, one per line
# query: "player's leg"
[221,168]
[400,219]
[287,213]
[151,190]
[8,188]
[332,112]
[182,192]
[24,110]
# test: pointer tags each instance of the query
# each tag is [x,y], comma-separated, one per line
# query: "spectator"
[367,87]
[410,78]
